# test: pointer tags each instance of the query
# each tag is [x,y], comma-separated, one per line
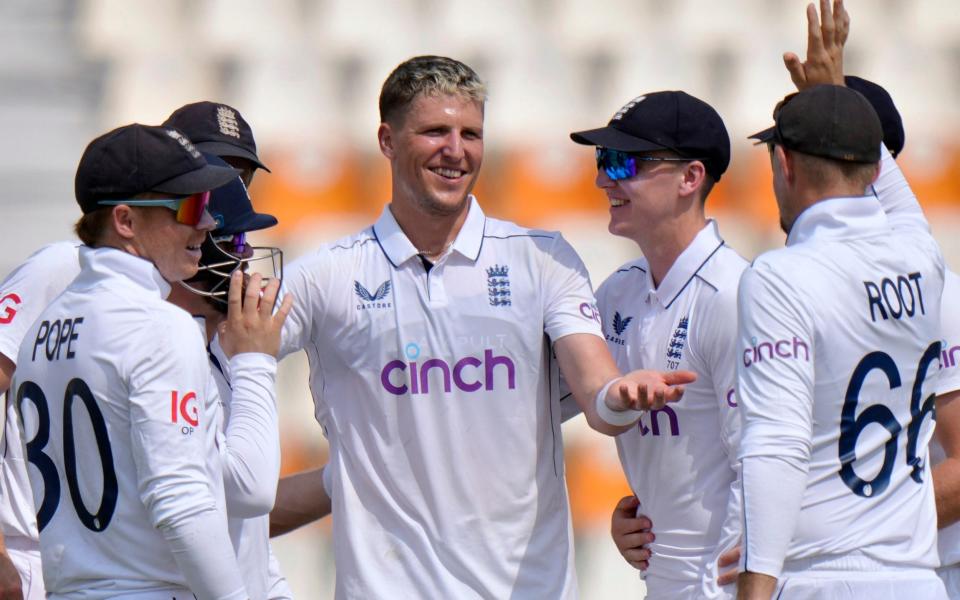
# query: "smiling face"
[642,202]
[172,247]
[435,149]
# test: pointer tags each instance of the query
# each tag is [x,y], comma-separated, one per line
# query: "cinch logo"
[780,349]
[619,326]
[9,312]
[655,422]
[469,374]
[374,300]
[948,357]
[184,407]
[732,398]
[589,310]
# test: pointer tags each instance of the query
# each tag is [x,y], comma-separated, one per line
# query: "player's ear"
[784,161]
[123,219]
[692,178]
[385,139]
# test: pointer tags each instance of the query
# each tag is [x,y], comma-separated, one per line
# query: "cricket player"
[434,338]
[126,371]
[675,308]
[23,294]
[244,412]
[838,331]
[219,129]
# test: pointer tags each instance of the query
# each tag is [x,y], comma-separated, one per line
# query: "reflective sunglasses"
[235,243]
[618,164]
[189,210]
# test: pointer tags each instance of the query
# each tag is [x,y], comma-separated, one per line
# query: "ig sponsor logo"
[780,349]
[7,310]
[184,407]
[468,374]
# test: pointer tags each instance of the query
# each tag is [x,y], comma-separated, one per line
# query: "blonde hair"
[428,75]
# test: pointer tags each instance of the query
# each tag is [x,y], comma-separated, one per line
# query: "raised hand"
[251,325]
[826,36]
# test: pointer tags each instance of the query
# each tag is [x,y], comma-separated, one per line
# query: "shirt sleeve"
[251,452]
[300,279]
[949,380]
[29,288]
[568,303]
[896,197]
[170,366]
[717,341]
[775,398]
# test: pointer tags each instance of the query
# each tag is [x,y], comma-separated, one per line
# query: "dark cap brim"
[765,136]
[224,149]
[249,222]
[204,179]
[609,137]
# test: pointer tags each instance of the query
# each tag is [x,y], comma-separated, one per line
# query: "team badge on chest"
[498,285]
[677,343]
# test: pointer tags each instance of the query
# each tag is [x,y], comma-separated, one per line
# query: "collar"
[704,245]
[837,219]
[399,249]
[103,263]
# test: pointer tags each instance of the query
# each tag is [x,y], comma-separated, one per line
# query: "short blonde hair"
[428,75]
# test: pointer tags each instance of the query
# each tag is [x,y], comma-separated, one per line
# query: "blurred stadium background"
[306,74]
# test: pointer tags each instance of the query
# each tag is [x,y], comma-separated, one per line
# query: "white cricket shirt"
[25,292]
[111,383]
[250,458]
[680,460]
[948,538]
[837,367]
[438,391]
[904,211]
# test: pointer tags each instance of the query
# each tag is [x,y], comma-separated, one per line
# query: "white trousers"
[894,584]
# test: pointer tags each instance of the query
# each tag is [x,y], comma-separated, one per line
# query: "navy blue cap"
[218,129]
[231,208]
[669,120]
[135,159]
[830,121]
[894,136]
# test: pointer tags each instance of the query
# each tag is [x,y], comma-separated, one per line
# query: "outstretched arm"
[611,402]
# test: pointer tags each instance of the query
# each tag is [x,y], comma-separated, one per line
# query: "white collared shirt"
[948,538]
[679,460]
[126,457]
[438,393]
[836,331]
[25,292]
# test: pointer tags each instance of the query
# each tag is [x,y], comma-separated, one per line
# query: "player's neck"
[431,234]
[662,244]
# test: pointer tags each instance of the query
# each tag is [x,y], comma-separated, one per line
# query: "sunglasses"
[236,243]
[618,164]
[189,210]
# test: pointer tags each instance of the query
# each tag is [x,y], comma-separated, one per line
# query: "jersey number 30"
[852,425]
[77,388]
